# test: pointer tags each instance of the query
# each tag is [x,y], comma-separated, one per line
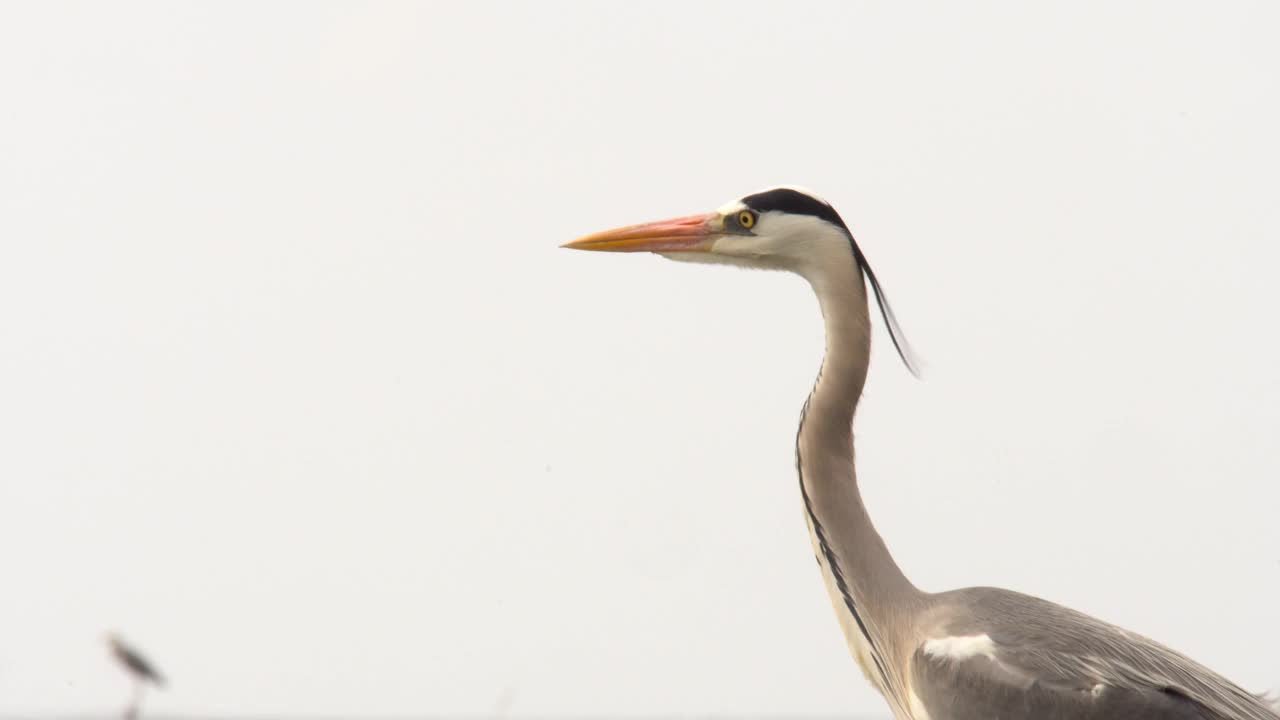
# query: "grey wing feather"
[1052,663]
[980,688]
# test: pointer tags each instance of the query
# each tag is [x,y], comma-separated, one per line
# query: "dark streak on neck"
[827,552]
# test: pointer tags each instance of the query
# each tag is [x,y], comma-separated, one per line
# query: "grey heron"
[138,667]
[972,654]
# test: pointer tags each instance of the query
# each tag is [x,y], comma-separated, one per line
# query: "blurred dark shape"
[139,668]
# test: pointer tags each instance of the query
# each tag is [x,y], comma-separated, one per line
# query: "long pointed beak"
[694,232]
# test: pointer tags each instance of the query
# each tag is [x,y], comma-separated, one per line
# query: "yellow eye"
[746,219]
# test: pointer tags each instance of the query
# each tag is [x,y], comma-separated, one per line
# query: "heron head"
[782,228]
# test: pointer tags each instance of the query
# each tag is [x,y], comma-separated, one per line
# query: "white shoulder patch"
[960,647]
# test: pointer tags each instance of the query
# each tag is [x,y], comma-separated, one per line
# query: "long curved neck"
[873,582]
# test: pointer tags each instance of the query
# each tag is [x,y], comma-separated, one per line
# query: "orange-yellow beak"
[694,232]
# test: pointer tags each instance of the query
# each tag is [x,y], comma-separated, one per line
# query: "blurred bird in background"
[138,667]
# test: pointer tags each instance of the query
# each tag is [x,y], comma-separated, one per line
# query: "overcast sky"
[298,393]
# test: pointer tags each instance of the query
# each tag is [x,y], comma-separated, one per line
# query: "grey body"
[1052,662]
[973,654]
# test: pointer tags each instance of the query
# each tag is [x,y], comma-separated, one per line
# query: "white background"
[298,393]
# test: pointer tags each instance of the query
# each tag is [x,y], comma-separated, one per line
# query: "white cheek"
[722,256]
[695,257]
[741,246]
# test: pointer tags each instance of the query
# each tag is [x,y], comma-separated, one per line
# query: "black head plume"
[796,202]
